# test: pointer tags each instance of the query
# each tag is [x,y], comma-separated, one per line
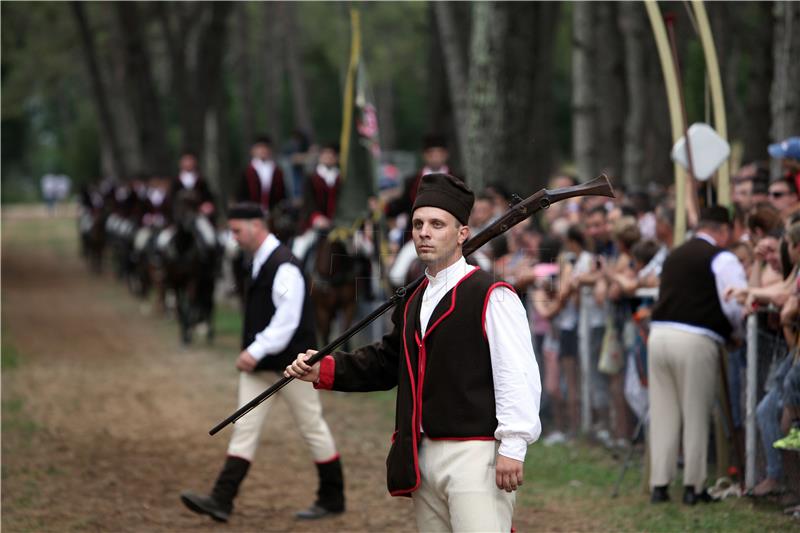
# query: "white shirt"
[328,174]
[188,179]
[728,272]
[288,292]
[265,170]
[517,386]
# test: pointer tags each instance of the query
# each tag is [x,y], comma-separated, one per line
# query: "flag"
[360,146]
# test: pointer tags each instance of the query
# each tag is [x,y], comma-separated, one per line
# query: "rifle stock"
[520,211]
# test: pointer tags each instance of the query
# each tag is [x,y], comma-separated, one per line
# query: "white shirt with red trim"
[517,386]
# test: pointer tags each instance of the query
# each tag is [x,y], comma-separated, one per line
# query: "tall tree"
[274,23]
[98,89]
[244,72]
[141,88]
[456,66]
[611,97]
[300,101]
[584,103]
[484,98]
[634,31]
[785,96]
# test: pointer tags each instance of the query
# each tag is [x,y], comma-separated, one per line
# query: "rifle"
[518,212]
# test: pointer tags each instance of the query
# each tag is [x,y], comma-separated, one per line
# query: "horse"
[334,270]
[190,256]
[91,226]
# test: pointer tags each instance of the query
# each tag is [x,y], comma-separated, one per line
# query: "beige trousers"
[458,490]
[682,374]
[304,404]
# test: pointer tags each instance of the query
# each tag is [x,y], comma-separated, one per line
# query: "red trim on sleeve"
[327,368]
[486,301]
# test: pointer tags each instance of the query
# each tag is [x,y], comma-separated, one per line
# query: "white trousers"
[458,490]
[304,404]
[682,375]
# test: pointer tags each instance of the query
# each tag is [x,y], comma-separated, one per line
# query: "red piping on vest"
[414,431]
[486,301]
[416,391]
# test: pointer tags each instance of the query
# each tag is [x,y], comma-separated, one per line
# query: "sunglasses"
[778,194]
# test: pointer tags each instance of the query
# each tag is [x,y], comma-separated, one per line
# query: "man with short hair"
[262,181]
[783,196]
[788,152]
[691,321]
[468,386]
[278,322]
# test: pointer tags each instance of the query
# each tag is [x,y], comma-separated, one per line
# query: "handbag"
[611,352]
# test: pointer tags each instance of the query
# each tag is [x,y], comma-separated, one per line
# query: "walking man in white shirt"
[468,386]
[278,322]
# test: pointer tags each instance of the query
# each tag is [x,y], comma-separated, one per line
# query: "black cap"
[434,141]
[245,211]
[716,213]
[445,192]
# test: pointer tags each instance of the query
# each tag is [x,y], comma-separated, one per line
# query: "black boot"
[330,495]
[219,504]
[690,497]
[660,494]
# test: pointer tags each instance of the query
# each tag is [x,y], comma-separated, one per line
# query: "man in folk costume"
[321,190]
[468,386]
[320,197]
[278,322]
[691,321]
[262,181]
[192,190]
[189,179]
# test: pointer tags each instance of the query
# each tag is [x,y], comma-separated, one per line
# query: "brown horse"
[333,285]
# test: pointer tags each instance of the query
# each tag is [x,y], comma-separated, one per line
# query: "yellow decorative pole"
[717,97]
[675,115]
[347,114]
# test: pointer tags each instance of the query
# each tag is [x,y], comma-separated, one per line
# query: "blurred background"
[520,90]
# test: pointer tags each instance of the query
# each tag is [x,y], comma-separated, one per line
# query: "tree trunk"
[300,103]
[584,87]
[484,100]
[634,31]
[142,92]
[610,90]
[455,68]
[245,79]
[107,125]
[274,22]
[785,96]
[207,78]
[755,124]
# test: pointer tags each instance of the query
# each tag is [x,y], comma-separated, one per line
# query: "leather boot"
[330,495]
[219,504]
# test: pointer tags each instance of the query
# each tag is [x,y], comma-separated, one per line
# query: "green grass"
[9,355]
[228,321]
[582,477]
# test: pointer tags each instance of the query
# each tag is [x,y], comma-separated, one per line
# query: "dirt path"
[105,418]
